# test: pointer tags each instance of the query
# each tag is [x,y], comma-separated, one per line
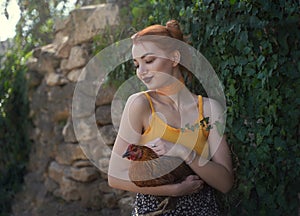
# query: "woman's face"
[153,66]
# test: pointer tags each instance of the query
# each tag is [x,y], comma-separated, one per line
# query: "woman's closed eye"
[147,61]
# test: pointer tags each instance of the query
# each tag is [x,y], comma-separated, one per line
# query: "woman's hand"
[192,184]
[163,147]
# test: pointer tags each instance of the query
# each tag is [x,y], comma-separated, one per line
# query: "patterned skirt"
[200,204]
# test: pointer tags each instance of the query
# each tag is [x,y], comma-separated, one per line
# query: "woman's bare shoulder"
[212,107]
[138,100]
[138,103]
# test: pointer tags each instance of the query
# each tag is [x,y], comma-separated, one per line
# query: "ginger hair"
[170,30]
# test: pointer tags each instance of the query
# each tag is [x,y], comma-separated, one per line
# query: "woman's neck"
[176,94]
[172,89]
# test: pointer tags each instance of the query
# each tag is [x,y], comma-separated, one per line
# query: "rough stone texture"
[53,79]
[56,171]
[108,134]
[68,132]
[126,204]
[105,95]
[47,61]
[78,58]
[84,174]
[97,17]
[74,75]
[103,115]
[67,168]
[68,153]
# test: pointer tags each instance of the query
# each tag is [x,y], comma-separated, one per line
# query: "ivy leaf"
[232,2]
[187,126]
[260,60]
[192,128]
[204,120]
[208,128]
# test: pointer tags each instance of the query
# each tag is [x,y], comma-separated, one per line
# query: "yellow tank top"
[194,139]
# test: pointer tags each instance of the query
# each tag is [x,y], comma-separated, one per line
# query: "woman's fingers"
[153,143]
[193,177]
[195,182]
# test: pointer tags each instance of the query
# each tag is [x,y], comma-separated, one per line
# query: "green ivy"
[14,142]
[254,48]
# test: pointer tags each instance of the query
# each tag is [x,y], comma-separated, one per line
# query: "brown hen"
[147,169]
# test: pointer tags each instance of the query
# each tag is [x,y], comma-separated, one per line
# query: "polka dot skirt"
[200,204]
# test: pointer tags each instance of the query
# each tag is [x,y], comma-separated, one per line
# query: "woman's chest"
[177,117]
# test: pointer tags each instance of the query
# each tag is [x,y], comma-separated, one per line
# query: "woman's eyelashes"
[147,61]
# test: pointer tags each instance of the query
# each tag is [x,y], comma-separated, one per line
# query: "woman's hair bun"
[174,29]
[173,24]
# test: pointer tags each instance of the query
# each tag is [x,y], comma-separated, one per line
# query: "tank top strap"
[200,107]
[150,101]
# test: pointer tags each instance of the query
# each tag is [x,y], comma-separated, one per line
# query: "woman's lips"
[147,79]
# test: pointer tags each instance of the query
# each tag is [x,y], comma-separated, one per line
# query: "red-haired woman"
[157,118]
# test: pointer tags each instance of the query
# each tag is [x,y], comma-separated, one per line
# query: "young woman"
[157,118]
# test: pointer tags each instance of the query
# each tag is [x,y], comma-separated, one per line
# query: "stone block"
[68,153]
[51,185]
[74,75]
[55,79]
[105,95]
[69,189]
[90,20]
[103,116]
[108,134]
[82,163]
[78,58]
[126,204]
[84,174]
[57,171]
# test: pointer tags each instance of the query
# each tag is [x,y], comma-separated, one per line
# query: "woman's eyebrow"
[146,54]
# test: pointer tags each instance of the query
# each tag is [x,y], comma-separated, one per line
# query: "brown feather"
[149,170]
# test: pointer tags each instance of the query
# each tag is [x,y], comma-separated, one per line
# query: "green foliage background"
[254,48]
[14,142]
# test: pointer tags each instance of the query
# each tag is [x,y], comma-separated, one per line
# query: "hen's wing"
[161,171]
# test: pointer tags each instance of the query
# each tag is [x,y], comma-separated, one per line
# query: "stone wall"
[57,162]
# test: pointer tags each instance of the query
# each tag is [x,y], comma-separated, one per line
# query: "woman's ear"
[175,58]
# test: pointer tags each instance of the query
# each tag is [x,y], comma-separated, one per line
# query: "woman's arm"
[118,178]
[216,172]
[131,126]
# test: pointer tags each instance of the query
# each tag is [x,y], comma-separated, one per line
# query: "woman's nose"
[142,69]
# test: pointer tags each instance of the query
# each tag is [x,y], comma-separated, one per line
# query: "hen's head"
[139,153]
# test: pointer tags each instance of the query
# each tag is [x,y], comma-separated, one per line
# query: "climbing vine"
[254,48]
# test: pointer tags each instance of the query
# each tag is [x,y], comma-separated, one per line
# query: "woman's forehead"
[145,48]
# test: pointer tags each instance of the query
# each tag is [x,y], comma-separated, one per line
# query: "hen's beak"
[126,154]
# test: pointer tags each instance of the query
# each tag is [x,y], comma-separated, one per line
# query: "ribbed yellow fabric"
[196,139]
